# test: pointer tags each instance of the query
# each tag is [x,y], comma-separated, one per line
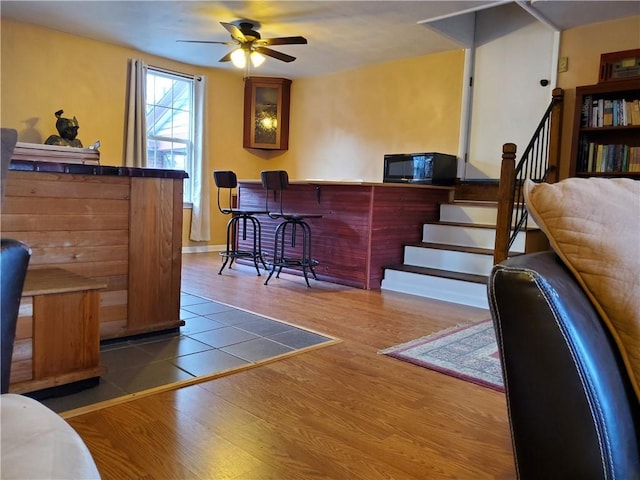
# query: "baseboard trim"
[203,248]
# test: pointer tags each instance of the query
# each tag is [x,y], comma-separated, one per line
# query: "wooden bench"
[58,332]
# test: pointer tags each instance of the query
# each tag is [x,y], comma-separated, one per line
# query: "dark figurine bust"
[67,129]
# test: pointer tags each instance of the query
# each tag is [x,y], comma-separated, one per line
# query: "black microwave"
[422,168]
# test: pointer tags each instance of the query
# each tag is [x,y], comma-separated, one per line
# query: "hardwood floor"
[338,412]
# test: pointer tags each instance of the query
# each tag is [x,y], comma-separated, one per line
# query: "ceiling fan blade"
[206,41]
[272,53]
[227,57]
[282,41]
[235,32]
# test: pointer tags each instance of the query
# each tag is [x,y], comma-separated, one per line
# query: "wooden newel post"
[505,202]
[555,135]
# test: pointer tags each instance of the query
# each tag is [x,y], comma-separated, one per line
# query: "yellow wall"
[341,125]
[583,46]
[344,123]
[44,70]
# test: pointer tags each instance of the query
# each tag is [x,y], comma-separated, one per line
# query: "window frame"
[153,138]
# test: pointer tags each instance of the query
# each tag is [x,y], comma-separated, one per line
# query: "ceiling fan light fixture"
[257,59]
[250,47]
[239,58]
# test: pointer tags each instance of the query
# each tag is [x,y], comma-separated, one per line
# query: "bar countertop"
[316,181]
[87,169]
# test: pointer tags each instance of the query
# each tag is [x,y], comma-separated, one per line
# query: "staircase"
[455,257]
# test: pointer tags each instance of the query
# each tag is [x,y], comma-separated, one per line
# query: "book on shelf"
[611,158]
[586,115]
[600,112]
[607,113]
[634,159]
[635,112]
[600,158]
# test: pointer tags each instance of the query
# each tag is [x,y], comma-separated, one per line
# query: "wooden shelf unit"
[588,134]
[58,332]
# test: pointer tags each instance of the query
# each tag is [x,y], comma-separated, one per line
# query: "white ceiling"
[341,34]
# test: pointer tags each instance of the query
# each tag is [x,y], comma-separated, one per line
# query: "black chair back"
[274,181]
[14,259]
[225,179]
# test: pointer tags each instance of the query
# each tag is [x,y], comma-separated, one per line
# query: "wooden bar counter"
[364,225]
[119,226]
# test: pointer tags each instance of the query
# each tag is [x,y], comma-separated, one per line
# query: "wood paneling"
[43,184]
[397,218]
[156,223]
[66,337]
[76,222]
[21,365]
[95,226]
[57,336]
[364,226]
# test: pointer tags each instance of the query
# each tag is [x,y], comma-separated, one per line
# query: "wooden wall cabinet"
[266,113]
[606,130]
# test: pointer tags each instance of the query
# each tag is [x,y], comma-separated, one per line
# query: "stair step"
[466,235]
[473,202]
[416,281]
[484,226]
[474,212]
[436,272]
[477,189]
[455,248]
[466,212]
[449,257]
[458,248]
[462,224]
[455,257]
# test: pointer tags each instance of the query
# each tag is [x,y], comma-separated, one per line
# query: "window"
[170,124]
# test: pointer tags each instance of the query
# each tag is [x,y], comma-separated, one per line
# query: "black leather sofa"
[572,408]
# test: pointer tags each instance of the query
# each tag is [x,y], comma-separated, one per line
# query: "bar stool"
[274,182]
[227,180]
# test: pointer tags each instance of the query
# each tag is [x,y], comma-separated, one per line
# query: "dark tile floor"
[215,338]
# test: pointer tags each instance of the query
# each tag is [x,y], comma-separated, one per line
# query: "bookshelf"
[606,130]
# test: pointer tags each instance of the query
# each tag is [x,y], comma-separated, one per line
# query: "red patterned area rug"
[468,352]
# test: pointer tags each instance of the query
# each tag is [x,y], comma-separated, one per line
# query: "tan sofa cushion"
[594,226]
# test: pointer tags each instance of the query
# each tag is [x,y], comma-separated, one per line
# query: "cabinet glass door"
[266,116]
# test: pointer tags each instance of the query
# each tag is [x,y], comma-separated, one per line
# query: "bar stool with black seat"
[240,218]
[275,182]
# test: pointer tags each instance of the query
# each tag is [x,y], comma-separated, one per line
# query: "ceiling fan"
[251,45]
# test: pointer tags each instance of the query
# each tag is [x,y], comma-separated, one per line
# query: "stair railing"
[539,162]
